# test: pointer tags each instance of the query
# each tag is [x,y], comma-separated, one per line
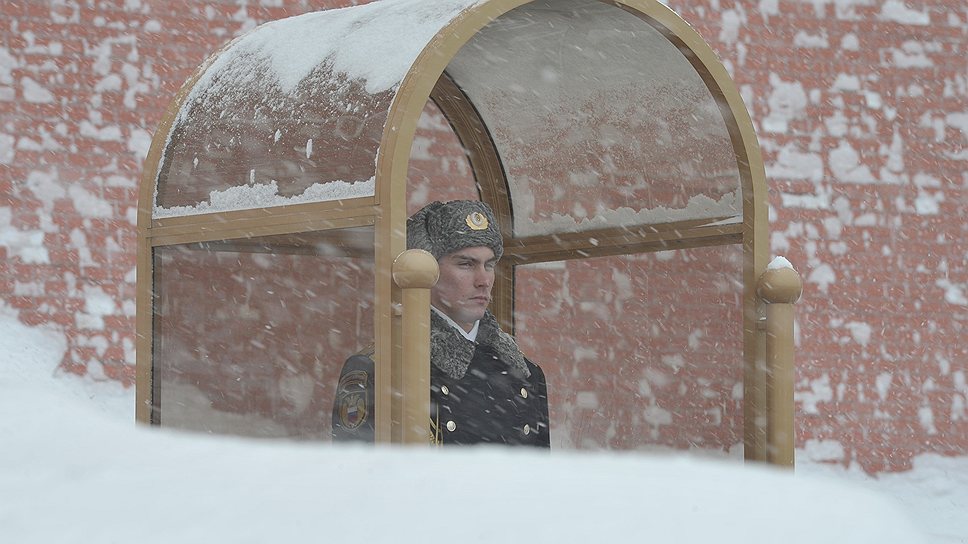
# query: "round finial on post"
[415,269]
[780,284]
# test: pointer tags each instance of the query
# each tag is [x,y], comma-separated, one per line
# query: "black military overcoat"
[493,402]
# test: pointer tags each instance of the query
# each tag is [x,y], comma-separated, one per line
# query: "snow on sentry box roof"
[373,44]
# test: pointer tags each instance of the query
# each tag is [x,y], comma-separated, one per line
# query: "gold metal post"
[780,288]
[415,271]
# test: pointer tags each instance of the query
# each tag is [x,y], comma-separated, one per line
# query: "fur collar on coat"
[452,353]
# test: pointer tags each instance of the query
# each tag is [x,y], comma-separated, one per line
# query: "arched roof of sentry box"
[293,111]
[622,79]
[323,107]
[599,106]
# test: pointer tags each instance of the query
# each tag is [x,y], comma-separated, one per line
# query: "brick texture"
[861,109]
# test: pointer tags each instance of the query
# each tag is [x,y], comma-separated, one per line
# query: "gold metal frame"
[386,210]
[491,179]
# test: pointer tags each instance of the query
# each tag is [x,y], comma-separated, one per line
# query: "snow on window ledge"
[267,196]
[699,207]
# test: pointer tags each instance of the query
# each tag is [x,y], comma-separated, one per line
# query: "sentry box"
[622,167]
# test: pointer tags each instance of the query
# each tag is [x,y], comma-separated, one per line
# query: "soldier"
[482,389]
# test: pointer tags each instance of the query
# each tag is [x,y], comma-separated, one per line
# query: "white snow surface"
[376,42]
[75,468]
[698,207]
[267,195]
[779,262]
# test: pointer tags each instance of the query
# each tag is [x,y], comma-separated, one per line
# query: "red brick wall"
[252,343]
[868,191]
[862,113]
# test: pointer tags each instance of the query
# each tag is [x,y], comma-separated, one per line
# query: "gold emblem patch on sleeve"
[476,221]
[351,399]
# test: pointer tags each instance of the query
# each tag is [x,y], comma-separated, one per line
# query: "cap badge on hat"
[476,221]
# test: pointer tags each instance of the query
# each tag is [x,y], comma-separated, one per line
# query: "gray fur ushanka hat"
[445,227]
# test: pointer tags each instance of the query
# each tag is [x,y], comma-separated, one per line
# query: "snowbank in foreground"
[70,472]
[934,493]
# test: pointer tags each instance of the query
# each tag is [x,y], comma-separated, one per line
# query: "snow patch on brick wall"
[792,163]
[846,165]
[825,451]
[814,392]
[88,204]
[46,188]
[27,245]
[822,276]
[34,92]
[7,64]
[811,41]
[732,21]
[954,293]
[860,332]
[911,54]
[896,10]
[787,102]
[7,152]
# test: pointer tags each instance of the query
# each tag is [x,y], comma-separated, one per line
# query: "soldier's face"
[464,288]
